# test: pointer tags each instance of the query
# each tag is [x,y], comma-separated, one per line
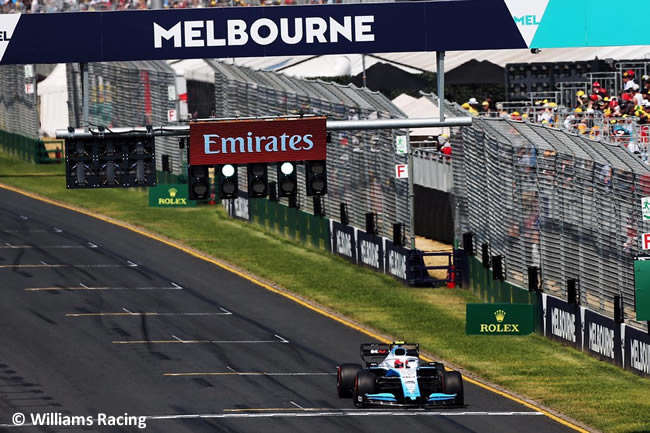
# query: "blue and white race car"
[394,375]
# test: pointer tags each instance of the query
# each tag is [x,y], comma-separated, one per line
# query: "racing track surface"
[165,314]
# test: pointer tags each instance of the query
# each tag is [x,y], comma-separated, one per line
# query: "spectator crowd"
[623,115]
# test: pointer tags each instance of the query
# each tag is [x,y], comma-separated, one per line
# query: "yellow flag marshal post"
[499,319]
[173,195]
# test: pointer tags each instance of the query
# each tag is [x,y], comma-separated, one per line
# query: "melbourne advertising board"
[562,321]
[255,31]
[248,141]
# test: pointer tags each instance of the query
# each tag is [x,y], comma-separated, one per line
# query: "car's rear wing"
[376,352]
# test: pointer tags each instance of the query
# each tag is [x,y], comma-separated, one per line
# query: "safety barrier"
[28,149]
[353,244]
[571,324]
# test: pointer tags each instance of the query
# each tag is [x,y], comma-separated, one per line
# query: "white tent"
[53,97]
[419,108]
[190,69]
[193,69]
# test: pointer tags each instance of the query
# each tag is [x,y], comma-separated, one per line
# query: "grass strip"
[574,383]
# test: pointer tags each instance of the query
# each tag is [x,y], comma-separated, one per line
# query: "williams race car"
[394,375]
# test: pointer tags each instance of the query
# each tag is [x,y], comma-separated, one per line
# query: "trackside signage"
[370,251]
[562,321]
[246,141]
[499,319]
[397,261]
[344,242]
[170,196]
[602,336]
[239,207]
[637,351]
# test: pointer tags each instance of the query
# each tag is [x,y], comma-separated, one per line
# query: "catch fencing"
[18,114]
[543,197]
[124,94]
[360,164]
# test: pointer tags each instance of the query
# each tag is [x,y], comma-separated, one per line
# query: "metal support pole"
[363,65]
[411,192]
[332,125]
[440,58]
[85,91]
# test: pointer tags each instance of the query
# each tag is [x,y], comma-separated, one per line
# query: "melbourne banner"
[397,258]
[239,207]
[637,351]
[343,242]
[602,336]
[247,141]
[370,251]
[256,31]
[312,30]
[499,319]
[562,321]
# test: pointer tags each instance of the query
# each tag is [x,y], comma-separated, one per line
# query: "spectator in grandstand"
[474,104]
[637,97]
[515,115]
[469,108]
[442,139]
[485,108]
[628,79]
[645,90]
[595,88]
[446,150]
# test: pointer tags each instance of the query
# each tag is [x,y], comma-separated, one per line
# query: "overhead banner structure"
[248,141]
[255,31]
[311,30]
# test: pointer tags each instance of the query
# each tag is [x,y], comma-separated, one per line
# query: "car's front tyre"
[346,374]
[365,383]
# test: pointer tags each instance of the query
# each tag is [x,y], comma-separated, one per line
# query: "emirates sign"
[248,141]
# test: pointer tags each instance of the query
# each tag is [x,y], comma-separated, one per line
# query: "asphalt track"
[98,319]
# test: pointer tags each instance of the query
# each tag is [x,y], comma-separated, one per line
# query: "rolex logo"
[500,315]
[172,192]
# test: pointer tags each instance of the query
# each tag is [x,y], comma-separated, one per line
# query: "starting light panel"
[110,161]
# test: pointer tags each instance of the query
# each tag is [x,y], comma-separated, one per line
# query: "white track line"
[305,413]
[44,247]
[281,339]
[84,287]
[296,404]
[246,373]
[196,341]
[41,265]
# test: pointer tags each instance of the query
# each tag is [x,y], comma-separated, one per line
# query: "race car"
[394,375]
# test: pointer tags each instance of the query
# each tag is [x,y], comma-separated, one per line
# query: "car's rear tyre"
[345,382]
[365,383]
[454,385]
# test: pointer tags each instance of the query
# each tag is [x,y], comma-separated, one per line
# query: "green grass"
[593,392]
